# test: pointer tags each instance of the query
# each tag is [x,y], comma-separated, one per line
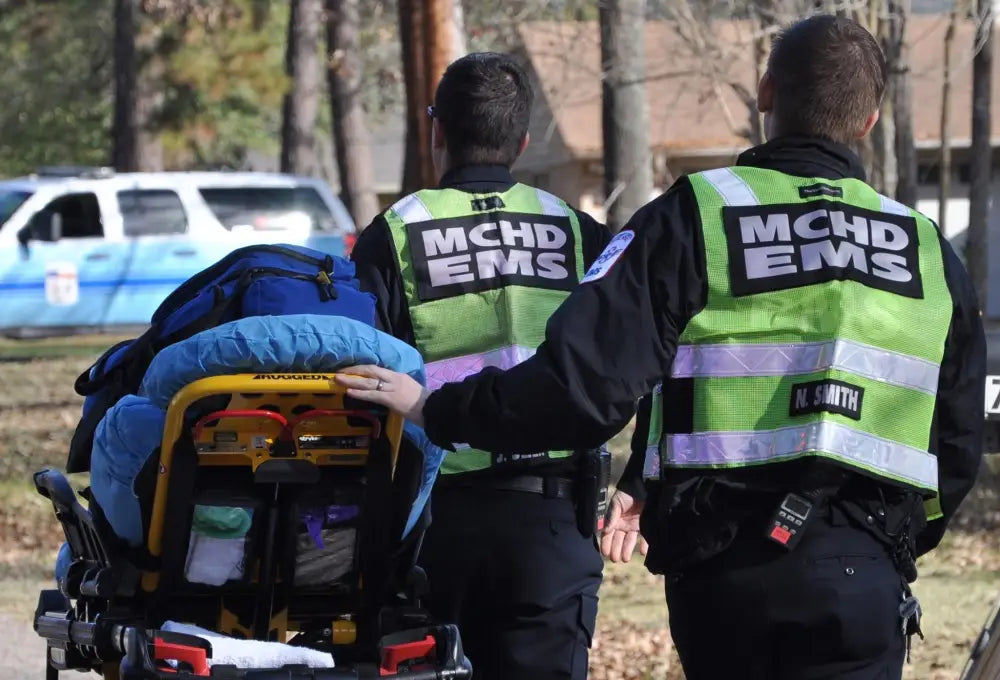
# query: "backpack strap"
[82,444]
[95,377]
[223,308]
[106,388]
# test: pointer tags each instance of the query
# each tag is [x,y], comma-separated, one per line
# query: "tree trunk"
[628,172]
[877,150]
[443,42]
[148,104]
[260,10]
[458,46]
[350,129]
[902,105]
[411,35]
[125,126]
[884,147]
[151,55]
[445,37]
[884,132]
[431,37]
[762,47]
[944,188]
[301,103]
[980,166]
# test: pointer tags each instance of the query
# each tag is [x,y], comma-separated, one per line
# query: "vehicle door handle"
[185,252]
[96,257]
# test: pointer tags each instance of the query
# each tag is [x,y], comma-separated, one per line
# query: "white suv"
[93,250]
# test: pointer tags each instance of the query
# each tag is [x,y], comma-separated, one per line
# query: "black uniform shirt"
[378,270]
[615,337]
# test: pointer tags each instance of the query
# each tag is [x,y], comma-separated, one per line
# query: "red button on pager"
[780,534]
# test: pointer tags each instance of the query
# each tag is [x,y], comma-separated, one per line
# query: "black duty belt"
[550,487]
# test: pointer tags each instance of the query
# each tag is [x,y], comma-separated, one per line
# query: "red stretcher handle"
[288,428]
[195,657]
[241,413]
[394,655]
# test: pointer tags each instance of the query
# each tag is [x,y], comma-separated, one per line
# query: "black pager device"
[592,497]
[789,521]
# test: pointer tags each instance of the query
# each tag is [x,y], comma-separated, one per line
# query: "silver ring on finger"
[378,387]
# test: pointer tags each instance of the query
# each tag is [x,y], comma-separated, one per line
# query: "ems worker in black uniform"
[469,273]
[815,356]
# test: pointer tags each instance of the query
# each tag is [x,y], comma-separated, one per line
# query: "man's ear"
[437,134]
[869,124]
[765,93]
[524,143]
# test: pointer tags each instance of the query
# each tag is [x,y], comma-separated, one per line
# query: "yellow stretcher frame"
[320,384]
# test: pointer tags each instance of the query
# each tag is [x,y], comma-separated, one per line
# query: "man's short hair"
[484,104]
[829,77]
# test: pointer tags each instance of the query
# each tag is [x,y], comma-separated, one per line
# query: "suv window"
[11,201]
[269,208]
[151,212]
[80,213]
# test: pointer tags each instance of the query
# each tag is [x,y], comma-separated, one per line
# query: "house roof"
[693,108]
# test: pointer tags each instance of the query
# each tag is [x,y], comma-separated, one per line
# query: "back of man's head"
[484,104]
[829,77]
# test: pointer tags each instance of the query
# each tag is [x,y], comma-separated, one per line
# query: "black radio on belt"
[790,520]
[592,499]
[603,482]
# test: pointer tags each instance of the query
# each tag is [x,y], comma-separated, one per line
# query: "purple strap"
[335,514]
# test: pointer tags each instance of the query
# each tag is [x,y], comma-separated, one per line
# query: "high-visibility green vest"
[482,274]
[822,334]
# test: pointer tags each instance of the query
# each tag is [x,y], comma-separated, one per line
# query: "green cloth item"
[217,521]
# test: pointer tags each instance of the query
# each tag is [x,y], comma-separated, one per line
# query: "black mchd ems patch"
[776,247]
[832,396]
[476,253]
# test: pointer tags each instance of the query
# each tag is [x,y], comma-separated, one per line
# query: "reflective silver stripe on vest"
[550,204]
[651,464]
[459,368]
[411,209]
[733,189]
[891,206]
[722,361]
[733,449]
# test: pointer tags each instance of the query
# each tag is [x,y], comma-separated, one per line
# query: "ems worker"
[815,356]
[469,273]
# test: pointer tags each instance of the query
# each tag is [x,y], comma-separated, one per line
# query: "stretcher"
[285,454]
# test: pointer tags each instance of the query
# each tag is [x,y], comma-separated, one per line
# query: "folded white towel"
[214,561]
[252,653]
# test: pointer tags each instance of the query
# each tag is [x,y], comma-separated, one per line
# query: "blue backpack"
[259,280]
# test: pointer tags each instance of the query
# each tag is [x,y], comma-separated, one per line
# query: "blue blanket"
[132,429]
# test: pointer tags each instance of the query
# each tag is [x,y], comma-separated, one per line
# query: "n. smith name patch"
[832,396]
[776,247]
[476,253]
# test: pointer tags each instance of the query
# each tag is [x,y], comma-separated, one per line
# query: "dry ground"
[38,410]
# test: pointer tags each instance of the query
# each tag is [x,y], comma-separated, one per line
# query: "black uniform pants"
[827,610]
[513,571]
